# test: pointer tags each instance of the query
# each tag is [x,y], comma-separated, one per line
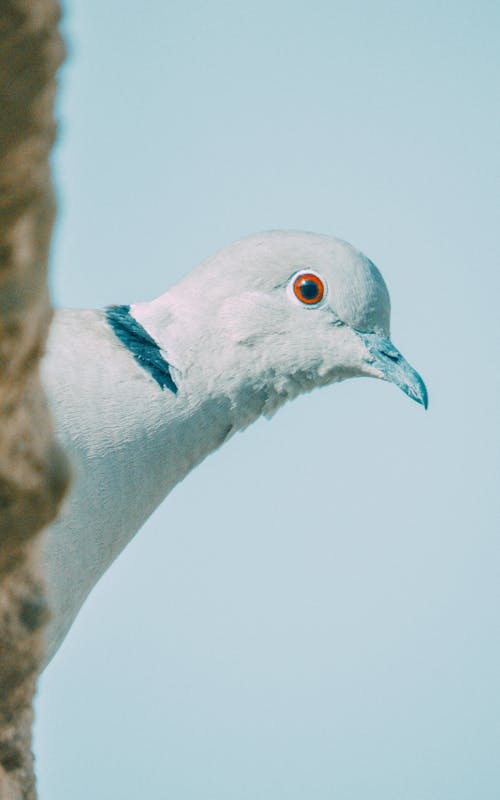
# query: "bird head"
[277,314]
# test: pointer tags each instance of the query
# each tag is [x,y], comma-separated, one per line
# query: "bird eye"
[308,287]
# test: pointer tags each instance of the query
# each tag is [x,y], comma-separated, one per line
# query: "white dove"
[141,394]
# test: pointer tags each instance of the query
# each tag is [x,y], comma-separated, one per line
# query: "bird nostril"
[392,356]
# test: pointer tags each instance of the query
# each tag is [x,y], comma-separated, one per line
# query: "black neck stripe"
[142,346]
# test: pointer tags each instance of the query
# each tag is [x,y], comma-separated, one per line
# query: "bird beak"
[389,365]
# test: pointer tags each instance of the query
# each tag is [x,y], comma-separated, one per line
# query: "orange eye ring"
[308,288]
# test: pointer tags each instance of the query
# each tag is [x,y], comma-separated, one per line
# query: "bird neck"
[130,443]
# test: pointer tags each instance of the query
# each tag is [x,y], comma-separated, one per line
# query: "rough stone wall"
[33,472]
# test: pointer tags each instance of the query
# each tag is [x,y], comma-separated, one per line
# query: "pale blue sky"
[250,644]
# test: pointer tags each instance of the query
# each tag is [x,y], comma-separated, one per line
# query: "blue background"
[313,613]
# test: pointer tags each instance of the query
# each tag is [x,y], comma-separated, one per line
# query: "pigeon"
[140,394]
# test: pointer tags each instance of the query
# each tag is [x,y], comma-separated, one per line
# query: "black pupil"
[309,289]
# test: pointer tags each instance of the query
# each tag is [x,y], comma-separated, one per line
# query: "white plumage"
[141,394]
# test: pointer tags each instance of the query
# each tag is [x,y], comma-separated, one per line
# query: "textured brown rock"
[33,473]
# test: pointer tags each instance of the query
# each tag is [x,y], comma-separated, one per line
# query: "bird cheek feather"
[251,316]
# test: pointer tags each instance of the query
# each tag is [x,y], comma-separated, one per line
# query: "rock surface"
[33,472]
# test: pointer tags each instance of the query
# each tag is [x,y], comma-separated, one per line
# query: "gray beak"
[393,367]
